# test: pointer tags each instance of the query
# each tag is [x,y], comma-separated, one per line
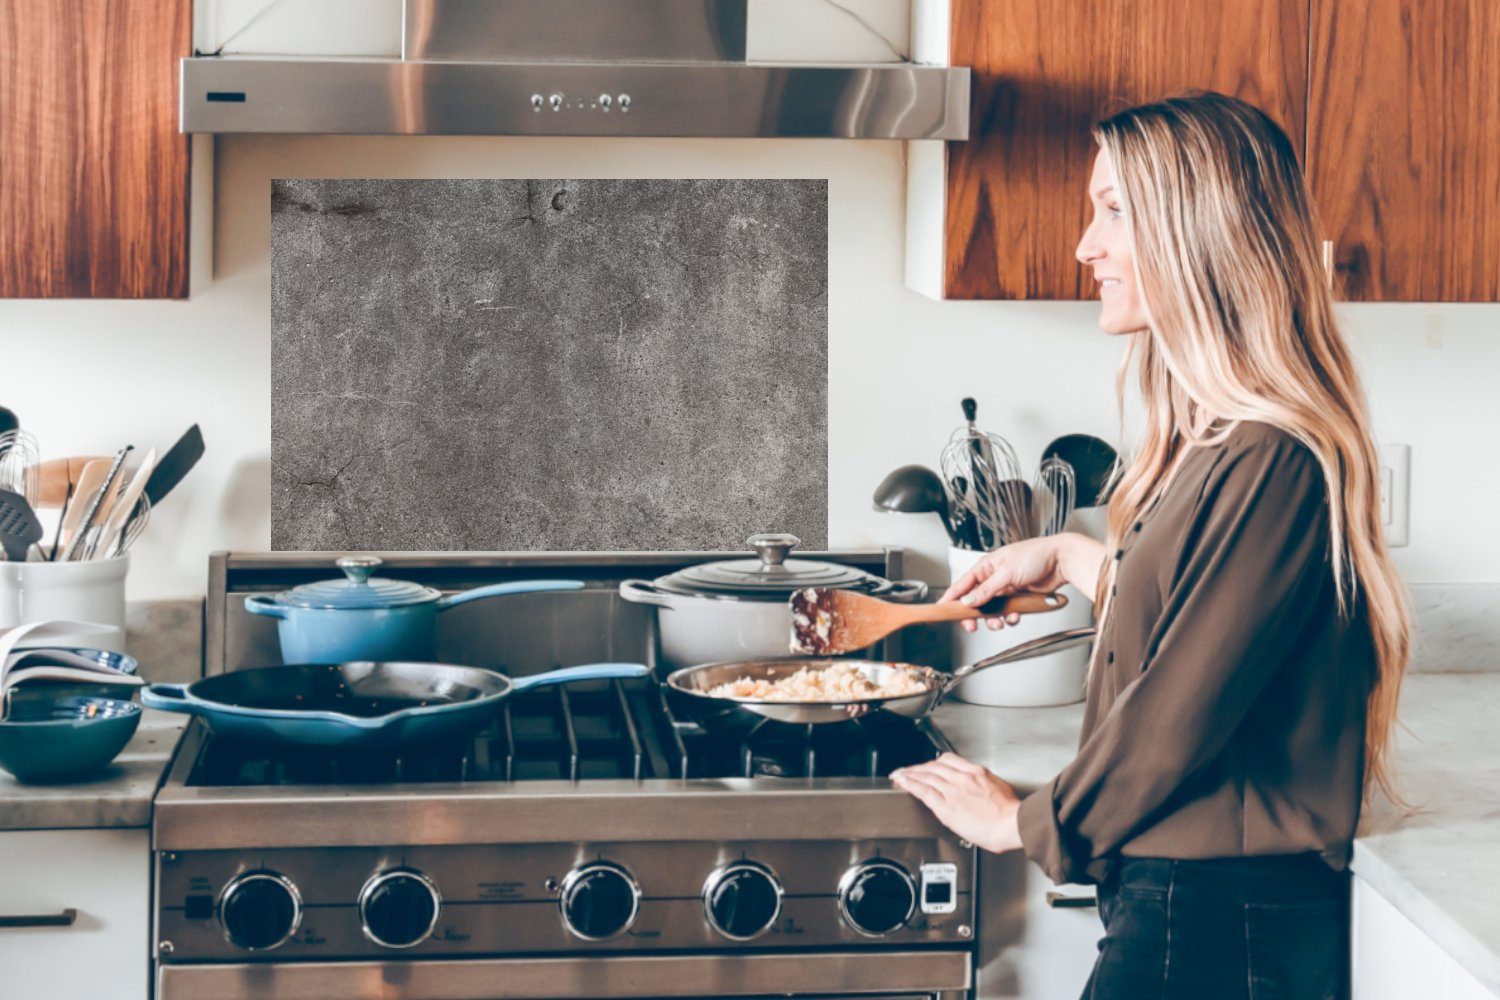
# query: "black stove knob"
[260,910]
[399,908]
[877,897]
[742,900]
[599,900]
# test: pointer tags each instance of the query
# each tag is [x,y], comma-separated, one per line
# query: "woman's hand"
[1039,564]
[967,799]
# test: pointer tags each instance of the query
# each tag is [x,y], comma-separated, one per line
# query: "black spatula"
[175,464]
[19,528]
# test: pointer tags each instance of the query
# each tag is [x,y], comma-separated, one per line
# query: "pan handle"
[500,589]
[1054,643]
[643,592]
[169,698]
[263,604]
[587,672]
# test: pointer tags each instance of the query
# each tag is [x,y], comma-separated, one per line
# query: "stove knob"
[599,900]
[260,910]
[877,897]
[742,900]
[399,908]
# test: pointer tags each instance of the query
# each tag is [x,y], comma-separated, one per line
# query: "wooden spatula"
[841,621]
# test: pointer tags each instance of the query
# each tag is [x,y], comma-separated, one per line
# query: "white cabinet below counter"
[1394,960]
[104,878]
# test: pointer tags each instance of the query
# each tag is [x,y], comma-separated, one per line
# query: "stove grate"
[600,730]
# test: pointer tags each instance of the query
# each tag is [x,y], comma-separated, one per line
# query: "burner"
[615,729]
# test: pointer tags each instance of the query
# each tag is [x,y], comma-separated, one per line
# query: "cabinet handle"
[1064,901]
[63,919]
[1329,265]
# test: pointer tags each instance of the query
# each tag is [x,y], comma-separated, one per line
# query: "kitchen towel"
[548,364]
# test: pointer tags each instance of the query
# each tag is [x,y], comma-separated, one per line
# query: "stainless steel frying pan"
[687,689]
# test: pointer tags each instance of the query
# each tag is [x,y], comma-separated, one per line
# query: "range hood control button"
[556,101]
[742,900]
[605,101]
[260,910]
[536,102]
[399,908]
[877,897]
[599,901]
[623,101]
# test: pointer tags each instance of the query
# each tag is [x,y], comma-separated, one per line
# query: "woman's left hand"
[967,799]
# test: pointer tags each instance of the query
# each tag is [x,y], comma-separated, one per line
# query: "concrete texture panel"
[548,364]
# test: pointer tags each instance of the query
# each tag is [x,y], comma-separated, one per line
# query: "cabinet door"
[93,173]
[104,878]
[1043,74]
[1403,138]
[1393,960]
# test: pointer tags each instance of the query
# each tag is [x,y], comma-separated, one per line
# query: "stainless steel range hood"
[574,67]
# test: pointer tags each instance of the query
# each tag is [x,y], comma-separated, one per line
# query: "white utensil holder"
[1055,679]
[90,591]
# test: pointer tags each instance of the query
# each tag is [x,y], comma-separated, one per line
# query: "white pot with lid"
[737,609]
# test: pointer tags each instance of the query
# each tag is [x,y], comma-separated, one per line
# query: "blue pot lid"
[358,589]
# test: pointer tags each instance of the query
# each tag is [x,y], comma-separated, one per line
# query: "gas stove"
[586,844]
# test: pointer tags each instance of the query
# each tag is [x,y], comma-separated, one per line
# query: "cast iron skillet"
[362,704]
[687,689]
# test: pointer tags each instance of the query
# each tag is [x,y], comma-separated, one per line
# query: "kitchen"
[897,364]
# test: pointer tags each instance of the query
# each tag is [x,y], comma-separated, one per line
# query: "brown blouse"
[1225,716]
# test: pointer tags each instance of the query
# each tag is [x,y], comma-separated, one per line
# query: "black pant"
[1271,928]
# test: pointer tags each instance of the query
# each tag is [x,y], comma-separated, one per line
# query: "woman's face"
[1106,248]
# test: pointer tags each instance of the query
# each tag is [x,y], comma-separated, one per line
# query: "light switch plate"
[1395,492]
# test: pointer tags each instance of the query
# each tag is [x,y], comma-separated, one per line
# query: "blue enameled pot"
[370,618]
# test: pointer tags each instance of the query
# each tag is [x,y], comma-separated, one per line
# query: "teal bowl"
[67,739]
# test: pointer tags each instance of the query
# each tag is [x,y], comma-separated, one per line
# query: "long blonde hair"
[1242,328]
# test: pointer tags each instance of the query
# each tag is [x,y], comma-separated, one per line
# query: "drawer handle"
[64,919]
[1064,901]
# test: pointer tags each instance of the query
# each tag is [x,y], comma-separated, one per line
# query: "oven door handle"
[64,919]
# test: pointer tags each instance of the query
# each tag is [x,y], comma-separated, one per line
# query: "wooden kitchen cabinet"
[1043,74]
[1403,146]
[104,878]
[94,174]
[1394,106]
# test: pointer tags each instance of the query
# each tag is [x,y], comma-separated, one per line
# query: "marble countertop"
[1435,865]
[118,797]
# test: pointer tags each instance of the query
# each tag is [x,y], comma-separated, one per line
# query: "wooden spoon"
[841,621]
[89,481]
[57,478]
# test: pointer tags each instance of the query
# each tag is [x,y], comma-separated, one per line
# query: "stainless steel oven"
[586,844]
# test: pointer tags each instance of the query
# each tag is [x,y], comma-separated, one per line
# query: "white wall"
[86,376]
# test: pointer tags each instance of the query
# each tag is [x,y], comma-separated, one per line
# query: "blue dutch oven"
[370,618]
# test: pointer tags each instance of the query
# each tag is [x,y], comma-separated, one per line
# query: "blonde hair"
[1242,328]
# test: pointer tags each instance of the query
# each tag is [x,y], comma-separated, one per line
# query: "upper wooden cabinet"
[1043,74]
[93,171]
[1394,107]
[1403,138]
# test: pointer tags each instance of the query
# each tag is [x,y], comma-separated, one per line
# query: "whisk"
[1053,496]
[19,471]
[986,481]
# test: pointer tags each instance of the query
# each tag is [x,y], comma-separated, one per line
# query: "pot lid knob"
[773,548]
[358,568]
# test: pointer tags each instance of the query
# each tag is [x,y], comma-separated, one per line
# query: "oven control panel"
[343,902]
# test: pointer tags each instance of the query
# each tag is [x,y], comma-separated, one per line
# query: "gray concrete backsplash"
[548,364]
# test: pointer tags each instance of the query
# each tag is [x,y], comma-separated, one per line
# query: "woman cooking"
[1253,632]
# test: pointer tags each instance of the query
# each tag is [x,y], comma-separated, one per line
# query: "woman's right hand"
[1036,564]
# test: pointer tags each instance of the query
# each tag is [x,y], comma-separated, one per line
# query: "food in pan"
[837,683]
